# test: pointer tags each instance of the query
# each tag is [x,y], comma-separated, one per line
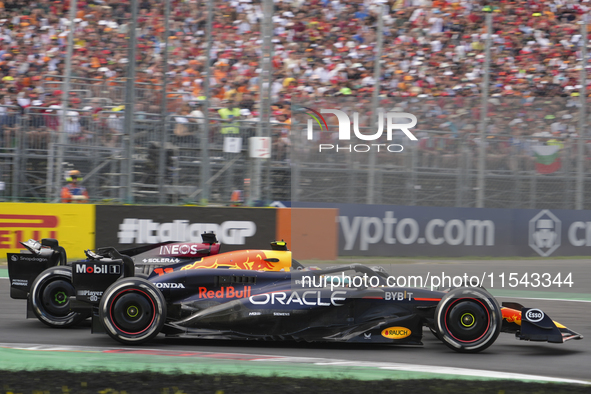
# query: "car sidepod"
[267,305]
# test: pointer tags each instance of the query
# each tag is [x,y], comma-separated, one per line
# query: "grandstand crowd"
[432,62]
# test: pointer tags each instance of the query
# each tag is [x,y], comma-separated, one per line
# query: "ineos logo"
[534,315]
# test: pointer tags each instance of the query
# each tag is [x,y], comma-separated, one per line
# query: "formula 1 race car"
[245,295]
[24,267]
[41,274]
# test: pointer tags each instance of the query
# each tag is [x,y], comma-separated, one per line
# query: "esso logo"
[534,315]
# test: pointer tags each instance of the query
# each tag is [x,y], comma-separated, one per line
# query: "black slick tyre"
[132,311]
[50,298]
[468,319]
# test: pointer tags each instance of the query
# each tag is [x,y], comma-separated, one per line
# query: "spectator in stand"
[197,115]
[431,50]
[248,124]
[281,143]
[450,151]
[182,127]
[247,101]
[521,157]
[429,152]
[497,152]
[72,126]
[113,131]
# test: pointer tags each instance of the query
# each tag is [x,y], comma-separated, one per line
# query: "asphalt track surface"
[569,360]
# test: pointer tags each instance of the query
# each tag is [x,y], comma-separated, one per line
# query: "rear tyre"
[50,298]
[468,319]
[132,311]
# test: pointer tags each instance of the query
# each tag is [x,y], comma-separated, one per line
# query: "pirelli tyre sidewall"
[468,319]
[132,311]
[49,298]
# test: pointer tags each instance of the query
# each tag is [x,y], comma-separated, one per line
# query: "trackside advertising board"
[236,228]
[393,230]
[71,224]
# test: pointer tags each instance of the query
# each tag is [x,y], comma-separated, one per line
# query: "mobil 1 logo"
[101,268]
[91,278]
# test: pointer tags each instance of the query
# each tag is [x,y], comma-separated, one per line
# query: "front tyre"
[468,319]
[50,298]
[132,311]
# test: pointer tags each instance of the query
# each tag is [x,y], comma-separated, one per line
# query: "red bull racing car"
[260,295]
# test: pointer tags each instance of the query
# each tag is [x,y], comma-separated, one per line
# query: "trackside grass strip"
[53,381]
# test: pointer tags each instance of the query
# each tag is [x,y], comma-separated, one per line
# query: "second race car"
[42,275]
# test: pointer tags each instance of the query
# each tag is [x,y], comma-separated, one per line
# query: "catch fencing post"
[204,162]
[371,179]
[266,74]
[484,111]
[126,192]
[65,93]
[163,111]
[580,193]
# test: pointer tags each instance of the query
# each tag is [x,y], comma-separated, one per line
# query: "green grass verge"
[103,382]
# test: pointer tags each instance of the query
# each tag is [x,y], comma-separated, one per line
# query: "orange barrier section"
[283,226]
[310,233]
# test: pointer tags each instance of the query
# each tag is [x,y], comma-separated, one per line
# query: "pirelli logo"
[17,228]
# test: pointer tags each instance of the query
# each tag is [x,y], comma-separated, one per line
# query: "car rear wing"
[25,266]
